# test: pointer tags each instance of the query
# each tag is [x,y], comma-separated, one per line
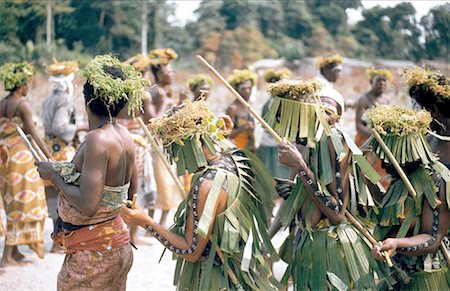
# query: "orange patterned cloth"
[22,189]
[99,255]
[245,139]
[108,235]
[99,270]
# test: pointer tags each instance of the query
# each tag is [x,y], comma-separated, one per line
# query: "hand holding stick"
[29,145]
[279,140]
[163,158]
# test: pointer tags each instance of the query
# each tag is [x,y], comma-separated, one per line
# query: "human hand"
[289,155]
[284,187]
[389,245]
[227,124]
[45,170]
[134,216]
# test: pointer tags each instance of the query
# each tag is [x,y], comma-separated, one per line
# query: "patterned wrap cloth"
[99,255]
[22,189]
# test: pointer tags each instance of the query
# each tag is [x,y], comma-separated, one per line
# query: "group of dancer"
[364,214]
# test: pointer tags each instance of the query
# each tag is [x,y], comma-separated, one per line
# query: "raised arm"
[333,207]
[190,246]
[26,115]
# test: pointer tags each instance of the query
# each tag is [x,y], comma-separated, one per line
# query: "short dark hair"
[95,104]
[155,69]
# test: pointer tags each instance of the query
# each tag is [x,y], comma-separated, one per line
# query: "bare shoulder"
[231,110]
[363,102]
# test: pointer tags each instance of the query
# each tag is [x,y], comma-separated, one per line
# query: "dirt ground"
[145,274]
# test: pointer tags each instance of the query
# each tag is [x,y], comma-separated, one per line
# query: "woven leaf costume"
[321,256]
[403,131]
[239,233]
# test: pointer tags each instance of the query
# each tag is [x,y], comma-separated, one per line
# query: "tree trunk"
[49,25]
[144,28]
[156,27]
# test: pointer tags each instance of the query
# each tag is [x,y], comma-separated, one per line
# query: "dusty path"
[146,273]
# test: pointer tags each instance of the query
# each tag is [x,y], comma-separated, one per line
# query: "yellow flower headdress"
[162,56]
[183,131]
[15,75]
[373,72]
[323,62]
[109,89]
[430,81]
[197,80]
[272,76]
[240,76]
[296,111]
[403,131]
[140,62]
[62,68]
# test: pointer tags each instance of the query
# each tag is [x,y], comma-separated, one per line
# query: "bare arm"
[93,174]
[332,207]
[133,182]
[139,217]
[428,240]
[28,125]
[360,109]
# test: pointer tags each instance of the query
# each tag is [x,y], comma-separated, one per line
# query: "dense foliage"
[230,33]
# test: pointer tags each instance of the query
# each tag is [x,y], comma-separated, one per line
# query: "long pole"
[352,219]
[445,252]
[241,99]
[163,158]
[394,162]
[405,180]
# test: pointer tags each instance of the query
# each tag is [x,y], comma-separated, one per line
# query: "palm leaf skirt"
[336,257]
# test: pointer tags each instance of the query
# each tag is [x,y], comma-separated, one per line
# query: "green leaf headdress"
[403,131]
[430,81]
[183,130]
[373,72]
[15,75]
[296,111]
[328,61]
[273,76]
[109,89]
[197,80]
[240,76]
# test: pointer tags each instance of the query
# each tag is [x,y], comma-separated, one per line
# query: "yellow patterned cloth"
[60,150]
[21,188]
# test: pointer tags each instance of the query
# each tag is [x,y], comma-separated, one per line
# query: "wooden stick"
[352,219]
[229,271]
[163,158]
[394,162]
[241,99]
[445,252]
[367,235]
[29,145]
[37,148]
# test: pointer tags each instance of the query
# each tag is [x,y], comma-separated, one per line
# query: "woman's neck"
[97,122]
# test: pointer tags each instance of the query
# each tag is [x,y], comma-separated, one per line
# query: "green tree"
[437,26]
